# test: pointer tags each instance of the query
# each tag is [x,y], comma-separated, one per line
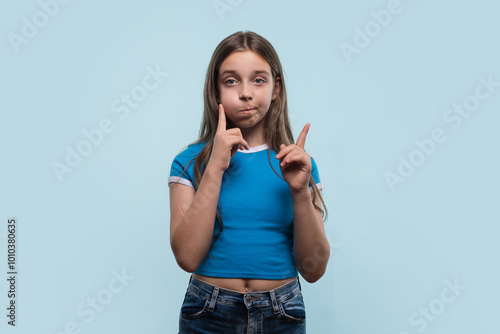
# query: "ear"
[277,87]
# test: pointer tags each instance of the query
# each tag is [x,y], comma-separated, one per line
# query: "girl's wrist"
[214,170]
[300,195]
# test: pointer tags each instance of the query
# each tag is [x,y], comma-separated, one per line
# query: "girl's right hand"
[226,142]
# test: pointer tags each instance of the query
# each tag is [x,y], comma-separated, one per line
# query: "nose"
[245,92]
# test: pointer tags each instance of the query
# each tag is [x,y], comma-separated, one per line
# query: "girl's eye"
[230,81]
[259,80]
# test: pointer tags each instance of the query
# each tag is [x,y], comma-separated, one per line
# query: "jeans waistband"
[217,294]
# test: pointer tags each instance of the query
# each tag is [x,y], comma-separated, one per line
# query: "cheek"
[225,94]
[266,95]
[269,99]
[229,100]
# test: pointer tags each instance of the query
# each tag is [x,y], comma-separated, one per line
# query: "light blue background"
[392,251]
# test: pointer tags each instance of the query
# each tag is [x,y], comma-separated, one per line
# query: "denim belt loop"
[276,309]
[214,299]
[298,280]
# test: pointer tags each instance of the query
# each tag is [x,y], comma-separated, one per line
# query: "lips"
[247,109]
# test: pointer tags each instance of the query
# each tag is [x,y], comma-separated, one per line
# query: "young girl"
[245,202]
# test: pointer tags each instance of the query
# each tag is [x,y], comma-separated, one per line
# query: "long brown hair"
[277,129]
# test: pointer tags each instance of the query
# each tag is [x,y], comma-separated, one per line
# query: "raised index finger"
[222,119]
[301,141]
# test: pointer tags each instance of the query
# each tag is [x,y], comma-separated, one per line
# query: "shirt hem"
[320,187]
[174,179]
[247,275]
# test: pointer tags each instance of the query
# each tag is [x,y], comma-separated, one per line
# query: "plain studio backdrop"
[403,98]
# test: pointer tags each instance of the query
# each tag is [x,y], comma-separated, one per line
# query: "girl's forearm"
[192,235]
[311,249]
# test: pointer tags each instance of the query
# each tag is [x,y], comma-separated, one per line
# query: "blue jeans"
[210,309]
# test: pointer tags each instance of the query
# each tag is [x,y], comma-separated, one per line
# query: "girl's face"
[246,88]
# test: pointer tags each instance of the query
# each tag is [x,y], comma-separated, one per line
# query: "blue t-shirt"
[257,213]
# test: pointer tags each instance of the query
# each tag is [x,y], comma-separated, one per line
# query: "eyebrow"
[235,72]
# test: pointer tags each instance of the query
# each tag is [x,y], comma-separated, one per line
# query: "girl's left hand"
[295,163]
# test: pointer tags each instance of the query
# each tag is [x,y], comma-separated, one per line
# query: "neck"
[253,137]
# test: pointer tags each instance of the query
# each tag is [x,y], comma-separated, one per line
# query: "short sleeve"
[315,174]
[182,167]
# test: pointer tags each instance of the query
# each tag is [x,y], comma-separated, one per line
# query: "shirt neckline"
[255,149]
